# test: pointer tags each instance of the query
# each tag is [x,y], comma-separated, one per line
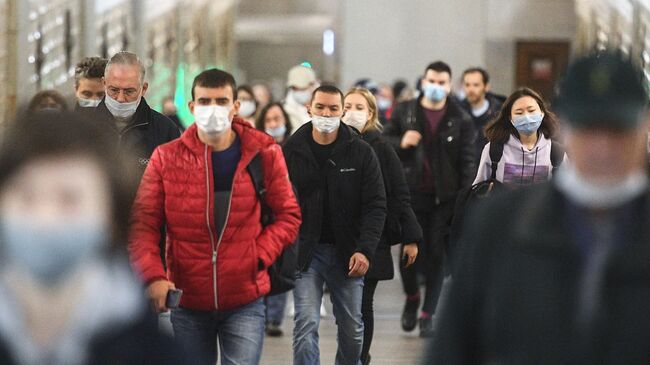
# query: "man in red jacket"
[217,250]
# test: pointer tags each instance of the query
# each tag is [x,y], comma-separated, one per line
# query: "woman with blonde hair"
[401,226]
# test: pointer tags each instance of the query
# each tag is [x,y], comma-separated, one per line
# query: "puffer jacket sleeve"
[147,216]
[411,230]
[373,204]
[282,201]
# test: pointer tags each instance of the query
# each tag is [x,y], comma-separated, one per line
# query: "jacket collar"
[141,116]
[370,136]
[252,140]
[299,141]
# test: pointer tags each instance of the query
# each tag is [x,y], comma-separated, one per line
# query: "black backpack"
[468,197]
[282,271]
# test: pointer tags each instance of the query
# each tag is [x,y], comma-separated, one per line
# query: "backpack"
[282,271]
[468,197]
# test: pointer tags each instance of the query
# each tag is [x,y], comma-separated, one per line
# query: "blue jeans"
[275,308]
[346,294]
[240,333]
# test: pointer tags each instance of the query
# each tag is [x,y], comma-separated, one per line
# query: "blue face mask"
[435,92]
[277,132]
[49,252]
[528,123]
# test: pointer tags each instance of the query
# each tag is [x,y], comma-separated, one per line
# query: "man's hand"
[410,252]
[358,265]
[157,292]
[410,139]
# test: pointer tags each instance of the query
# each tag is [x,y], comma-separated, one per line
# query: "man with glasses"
[138,126]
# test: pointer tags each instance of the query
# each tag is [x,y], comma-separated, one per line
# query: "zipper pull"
[214,257]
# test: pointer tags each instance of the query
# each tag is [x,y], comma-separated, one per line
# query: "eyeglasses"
[129,93]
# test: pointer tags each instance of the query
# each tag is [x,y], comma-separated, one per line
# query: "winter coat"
[451,156]
[215,273]
[483,120]
[400,215]
[357,199]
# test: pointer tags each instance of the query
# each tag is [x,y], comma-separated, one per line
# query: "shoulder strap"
[557,154]
[496,151]
[257,175]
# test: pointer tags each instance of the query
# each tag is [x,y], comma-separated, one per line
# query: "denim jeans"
[240,333]
[275,308]
[346,294]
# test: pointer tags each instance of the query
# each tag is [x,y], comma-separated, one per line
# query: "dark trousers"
[434,220]
[368,315]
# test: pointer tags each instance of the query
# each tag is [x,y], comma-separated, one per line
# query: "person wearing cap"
[301,82]
[559,273]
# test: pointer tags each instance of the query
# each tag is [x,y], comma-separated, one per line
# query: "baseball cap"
[301,77]
[603,89]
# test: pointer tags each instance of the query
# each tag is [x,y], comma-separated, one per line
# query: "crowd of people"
[550,261]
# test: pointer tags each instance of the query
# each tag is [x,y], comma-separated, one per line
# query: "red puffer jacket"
[177,189]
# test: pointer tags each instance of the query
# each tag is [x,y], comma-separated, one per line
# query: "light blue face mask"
[528,123]
[277,132]
[49,252]
[435,92]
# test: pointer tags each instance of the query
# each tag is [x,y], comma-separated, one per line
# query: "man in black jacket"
[435,140]
[343,205]
[559,274]
[127,113]
[482,105]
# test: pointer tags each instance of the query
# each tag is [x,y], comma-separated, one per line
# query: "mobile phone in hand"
[173,298]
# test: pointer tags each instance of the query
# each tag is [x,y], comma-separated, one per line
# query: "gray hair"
[129,59]
[89,68]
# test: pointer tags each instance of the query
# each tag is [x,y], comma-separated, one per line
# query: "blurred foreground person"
[560,274]
[67,295]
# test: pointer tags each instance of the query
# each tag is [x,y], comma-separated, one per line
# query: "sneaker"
[273,330]
[409,315]
[426,327]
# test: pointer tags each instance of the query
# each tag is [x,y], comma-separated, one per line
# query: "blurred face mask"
[301,97]
[528,123]
[89,103]
[384,103]
[586,193]
[277,132]
[246,108]
[212,119]
[325,124]
[121,110]
[435,92]
[50,252]
[356,119]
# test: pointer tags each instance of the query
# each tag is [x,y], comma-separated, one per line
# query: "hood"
[514,146]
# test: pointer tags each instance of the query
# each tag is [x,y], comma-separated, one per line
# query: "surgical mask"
[88,103]
[325,124]
[383,103]
[528,123]
[435,92]
[246,108]
[121,110]
[277,132]
[50,252]
[212,119]
[301,97]
[586,193]
[356,119]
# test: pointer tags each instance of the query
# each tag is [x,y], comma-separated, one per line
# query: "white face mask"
[121,110]
[246,108]
[356,119]
[212,119]
[592,195]
[89,103]
[301,97]
[325,124]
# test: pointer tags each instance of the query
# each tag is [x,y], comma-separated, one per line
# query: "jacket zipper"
[215,249]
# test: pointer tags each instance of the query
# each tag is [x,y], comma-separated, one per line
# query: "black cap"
[602,89]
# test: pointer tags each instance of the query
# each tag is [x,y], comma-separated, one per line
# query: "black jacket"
[452,152]
[400,216]
[147,130]
[482,120]
[357,199]
[513,300]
